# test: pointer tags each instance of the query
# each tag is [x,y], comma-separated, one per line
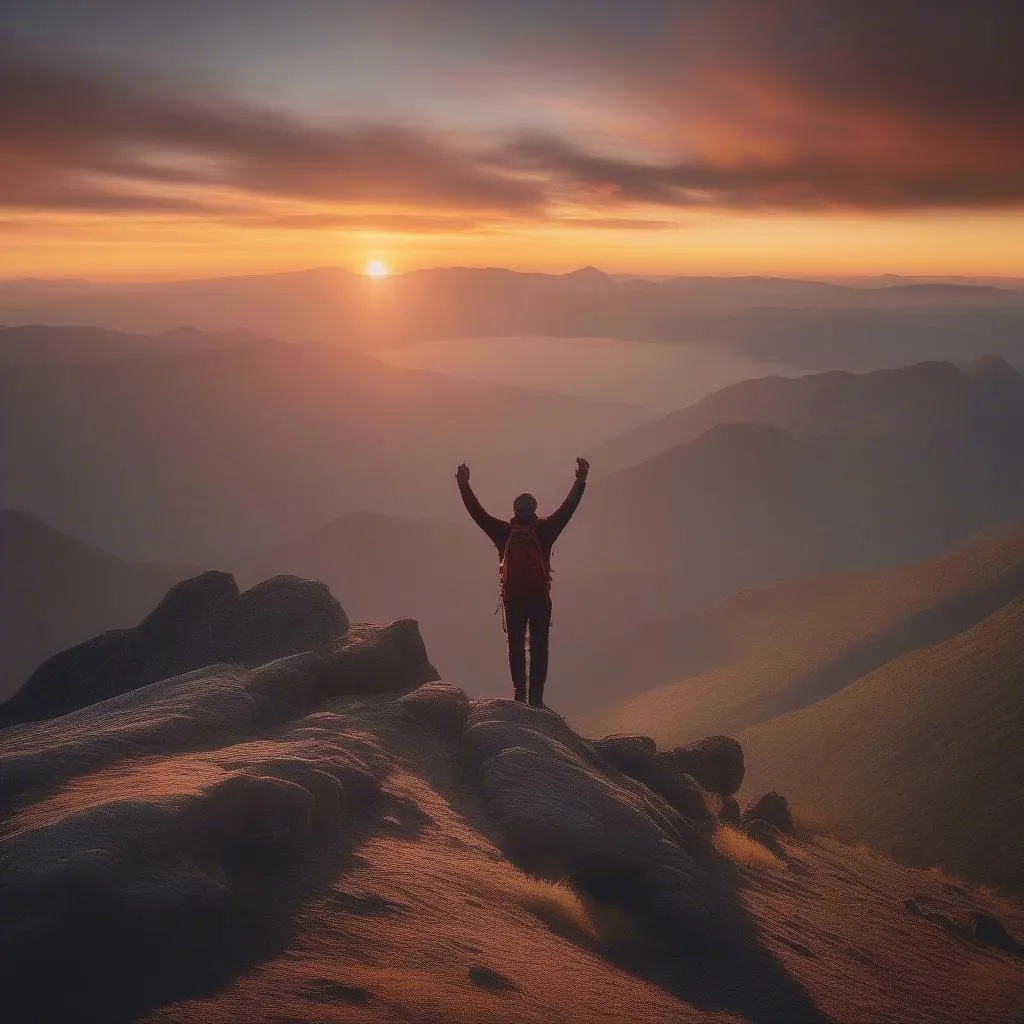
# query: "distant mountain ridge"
[231,452]
[56,591]
[747,504]
[932,401]
[197,456]
[334,306]
[770,650]
[860,338]
[73,344]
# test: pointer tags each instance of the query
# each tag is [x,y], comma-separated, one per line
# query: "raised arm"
[559,519]
[494,528]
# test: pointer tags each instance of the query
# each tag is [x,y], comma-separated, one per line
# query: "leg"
[515,625]
[540,629]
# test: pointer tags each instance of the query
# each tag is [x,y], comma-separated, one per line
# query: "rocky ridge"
[340,826]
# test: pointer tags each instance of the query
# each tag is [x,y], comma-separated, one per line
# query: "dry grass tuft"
[749,853]
[557,904]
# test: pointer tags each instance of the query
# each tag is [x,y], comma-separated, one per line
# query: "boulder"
[633,755]
[772,808]
[439,704]
[990,930]
[680,789]
[638,757]
[716,762]
[564,813]
[155,860]
[368,659]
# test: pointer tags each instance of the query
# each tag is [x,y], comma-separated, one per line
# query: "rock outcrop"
[210,707]
[439,704]
[201,621]
[564,811]
[716,762]
[638,757]
[771,808]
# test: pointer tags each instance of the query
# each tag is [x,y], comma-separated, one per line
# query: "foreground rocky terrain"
[339,835]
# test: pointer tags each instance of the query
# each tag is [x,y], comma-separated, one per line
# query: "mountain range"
[57,591]
[927,402]
[809,323]
[47,344]
[837,479]
[186,457]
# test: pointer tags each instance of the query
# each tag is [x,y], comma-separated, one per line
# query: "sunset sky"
[144,138]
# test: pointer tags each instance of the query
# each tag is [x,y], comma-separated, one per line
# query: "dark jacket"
[548,527]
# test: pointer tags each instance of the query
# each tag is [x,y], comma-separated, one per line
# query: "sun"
[376,268]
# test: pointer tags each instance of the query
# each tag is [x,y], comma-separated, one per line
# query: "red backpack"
[524,573]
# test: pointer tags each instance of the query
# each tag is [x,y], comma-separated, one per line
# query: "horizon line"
[611,275]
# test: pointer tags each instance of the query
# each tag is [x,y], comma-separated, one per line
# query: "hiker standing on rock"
[524,545]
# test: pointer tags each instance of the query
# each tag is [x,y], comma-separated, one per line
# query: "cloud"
[617,223]
[61,131]
[737,105]
[401,223]
[803,103]
[794,180]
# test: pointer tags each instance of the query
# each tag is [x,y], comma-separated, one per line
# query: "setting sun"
[376,268]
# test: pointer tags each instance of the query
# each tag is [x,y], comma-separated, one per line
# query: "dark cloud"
[927,60]
[60,131]
[805,102]
[795,181]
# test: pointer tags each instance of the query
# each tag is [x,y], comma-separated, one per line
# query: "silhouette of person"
[524,547]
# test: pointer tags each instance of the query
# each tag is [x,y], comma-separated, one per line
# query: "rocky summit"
[337,834]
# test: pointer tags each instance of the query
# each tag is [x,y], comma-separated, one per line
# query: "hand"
[582,469]
[462,474]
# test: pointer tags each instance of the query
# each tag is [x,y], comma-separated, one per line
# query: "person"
[524,547]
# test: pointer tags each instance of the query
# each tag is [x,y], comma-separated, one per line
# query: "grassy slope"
[891,702]
[769,651]
[922,757]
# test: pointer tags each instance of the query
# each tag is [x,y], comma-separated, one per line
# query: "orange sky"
[946,243]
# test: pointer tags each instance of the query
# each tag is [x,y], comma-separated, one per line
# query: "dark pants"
[533,614]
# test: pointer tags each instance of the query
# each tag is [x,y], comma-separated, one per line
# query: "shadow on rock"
[575,809]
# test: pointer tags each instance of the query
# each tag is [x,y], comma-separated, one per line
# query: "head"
[525,506]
